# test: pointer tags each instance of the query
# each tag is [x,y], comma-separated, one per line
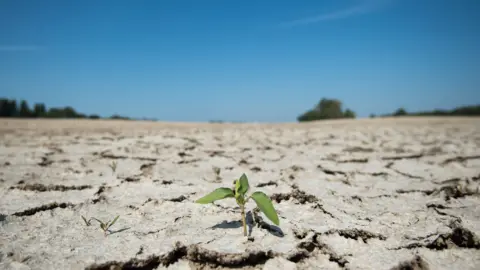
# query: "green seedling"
[105,226]
[239,193]
[113,166]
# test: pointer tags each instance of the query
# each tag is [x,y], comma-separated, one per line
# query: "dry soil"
[351,194]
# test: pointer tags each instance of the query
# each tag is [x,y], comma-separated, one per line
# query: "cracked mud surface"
[365,194]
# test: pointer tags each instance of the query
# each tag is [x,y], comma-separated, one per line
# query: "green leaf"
[113,222]
[242,186]
[217,194]
[266,206]
[99,221]
[86,222]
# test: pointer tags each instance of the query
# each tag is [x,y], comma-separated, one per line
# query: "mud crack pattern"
[365,194]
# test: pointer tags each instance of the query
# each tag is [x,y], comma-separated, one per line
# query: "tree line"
[12,108]
[472,110]
[326,108]
[332,109]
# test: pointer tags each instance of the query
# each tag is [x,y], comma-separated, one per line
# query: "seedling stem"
[244,222]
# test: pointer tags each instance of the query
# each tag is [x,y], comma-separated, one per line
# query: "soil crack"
[180,198]
[331,172]
[426,192]
[357,234]
[46,207]
[414,156]
[192,253]
[302,198]
[307,248]
[407,174]
[270,183]
[459,159]
[354,160]
[460,237]
[43,188]
[107,154]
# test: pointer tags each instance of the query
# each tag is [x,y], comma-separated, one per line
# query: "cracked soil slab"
[365,194]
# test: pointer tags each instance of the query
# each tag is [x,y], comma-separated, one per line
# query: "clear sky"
[240,60]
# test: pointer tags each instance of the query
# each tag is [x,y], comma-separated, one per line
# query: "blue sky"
[240,60]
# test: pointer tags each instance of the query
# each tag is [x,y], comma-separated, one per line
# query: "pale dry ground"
[363,194]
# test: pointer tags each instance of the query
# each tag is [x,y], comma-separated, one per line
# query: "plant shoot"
[239,193]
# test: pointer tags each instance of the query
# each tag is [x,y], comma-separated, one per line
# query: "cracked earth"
[364,194]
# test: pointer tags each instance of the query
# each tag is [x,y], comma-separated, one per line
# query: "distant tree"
[13,108]
[326,109]
[66,112]
[467,111]
[330,108]
[70,112]
[216,121]
[55,113]
[39,110]
[4,107]
[24,109]
[311,115]
[473,110]
[400,112]
[8,108]
[440,112]
[349,114]
[372,115]
[119,117]
[149,119]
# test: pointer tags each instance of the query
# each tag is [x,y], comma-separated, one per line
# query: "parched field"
[351,194]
